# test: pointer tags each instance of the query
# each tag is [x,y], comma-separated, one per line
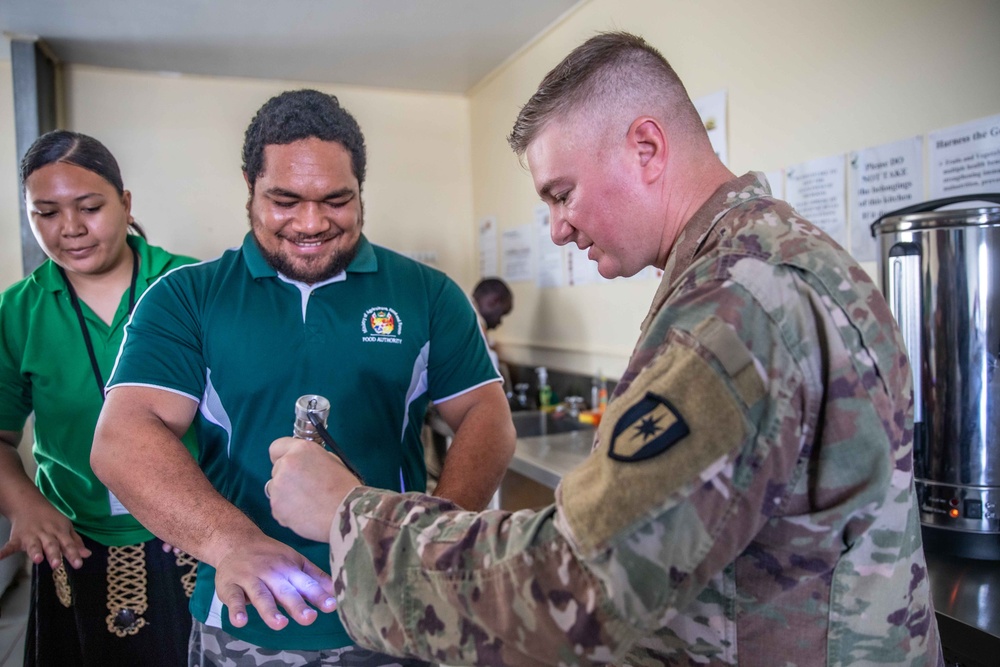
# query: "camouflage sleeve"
[696,451]
[417,577]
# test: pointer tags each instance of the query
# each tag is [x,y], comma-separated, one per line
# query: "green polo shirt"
[380,341]
[44,366]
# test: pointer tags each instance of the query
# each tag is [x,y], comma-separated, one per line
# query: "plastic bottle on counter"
[602,394]
[544,390]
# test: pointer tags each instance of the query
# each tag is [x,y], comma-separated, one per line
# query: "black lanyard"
[83,323]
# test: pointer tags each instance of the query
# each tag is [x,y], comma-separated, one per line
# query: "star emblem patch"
[648,428]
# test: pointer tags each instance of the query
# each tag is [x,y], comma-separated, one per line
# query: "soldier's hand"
[307,486]
[266,573]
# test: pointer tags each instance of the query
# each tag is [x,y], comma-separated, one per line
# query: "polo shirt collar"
[364,262]
[47,275]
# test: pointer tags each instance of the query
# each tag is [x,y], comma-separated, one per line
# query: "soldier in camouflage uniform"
[749,499]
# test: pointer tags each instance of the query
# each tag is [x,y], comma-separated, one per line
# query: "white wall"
[178,140]
[805,79]
[10,190]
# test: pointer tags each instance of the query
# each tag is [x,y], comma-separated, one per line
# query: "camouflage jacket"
[749,499]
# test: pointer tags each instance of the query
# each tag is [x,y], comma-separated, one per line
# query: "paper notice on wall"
[816,190]
[882,179]
[712,109]
[776,179]
[428,257]
[965,159]
[488,247]
[580,270]
[648,273]
[550,256]
[517,251]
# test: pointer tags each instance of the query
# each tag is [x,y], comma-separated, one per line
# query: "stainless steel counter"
[966,593]
[967,601]
[546,458]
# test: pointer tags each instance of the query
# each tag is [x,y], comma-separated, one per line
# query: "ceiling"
[424,45]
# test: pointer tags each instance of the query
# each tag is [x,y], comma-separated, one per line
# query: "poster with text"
[816,190]
[517,250]
[488,247]
[882,179]
[776,179]
[580,270]
[712,109]
[550,256]
[965,159]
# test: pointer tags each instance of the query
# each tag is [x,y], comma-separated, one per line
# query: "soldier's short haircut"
[612,71]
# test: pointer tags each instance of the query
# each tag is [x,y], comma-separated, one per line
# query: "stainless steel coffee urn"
[940,272]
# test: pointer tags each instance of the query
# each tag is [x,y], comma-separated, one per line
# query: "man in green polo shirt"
[305,306]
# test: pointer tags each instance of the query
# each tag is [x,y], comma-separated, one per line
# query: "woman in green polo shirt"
[104,590]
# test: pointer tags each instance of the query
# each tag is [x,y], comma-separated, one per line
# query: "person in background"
[749,499]
[493,301]
[104,589]
[307,305]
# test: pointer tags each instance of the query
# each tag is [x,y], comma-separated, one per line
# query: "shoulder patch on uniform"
[679,418]
[650,427]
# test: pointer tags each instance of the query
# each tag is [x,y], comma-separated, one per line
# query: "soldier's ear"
[648,142]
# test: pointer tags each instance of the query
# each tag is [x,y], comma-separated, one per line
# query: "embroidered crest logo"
[648,428]
[382,325]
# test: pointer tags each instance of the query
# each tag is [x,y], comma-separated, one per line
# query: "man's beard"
[315,271]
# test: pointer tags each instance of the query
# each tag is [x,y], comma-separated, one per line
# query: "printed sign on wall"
[816,190]
[883,179]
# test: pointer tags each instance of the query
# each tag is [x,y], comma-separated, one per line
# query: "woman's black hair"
[79,150]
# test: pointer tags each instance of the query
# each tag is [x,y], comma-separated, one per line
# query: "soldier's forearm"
[487,584]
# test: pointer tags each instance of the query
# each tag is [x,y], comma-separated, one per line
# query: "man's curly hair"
[302,114]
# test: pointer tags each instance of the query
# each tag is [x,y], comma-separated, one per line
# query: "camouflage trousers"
[213,647]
